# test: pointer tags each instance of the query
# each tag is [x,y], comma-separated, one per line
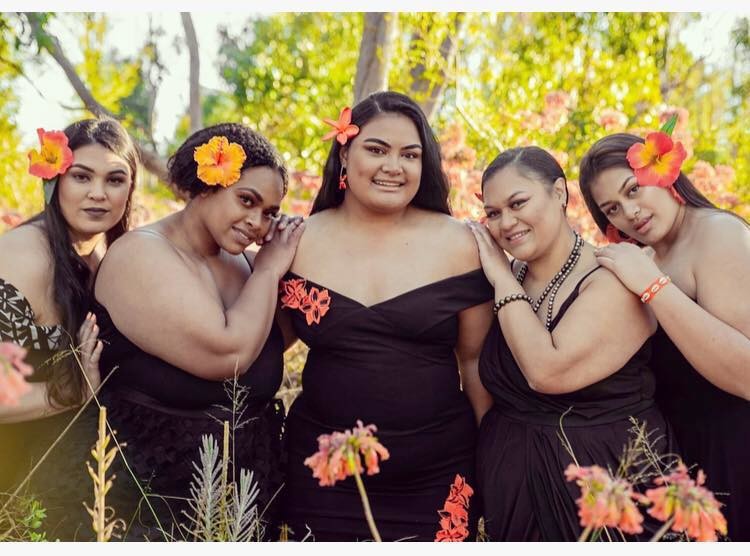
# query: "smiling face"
[93,193]
[524,214]
[384,163]
[239,215]
[646,214]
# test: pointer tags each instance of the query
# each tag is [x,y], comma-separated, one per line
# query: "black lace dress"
[392,365]
[60,483]
[712,427]
[521,459]
[161,412]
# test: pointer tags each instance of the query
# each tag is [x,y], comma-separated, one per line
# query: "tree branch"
[196,115]
[429,90]
[375,52]
[152,161]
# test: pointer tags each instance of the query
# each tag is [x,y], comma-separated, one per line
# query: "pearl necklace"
[554,285]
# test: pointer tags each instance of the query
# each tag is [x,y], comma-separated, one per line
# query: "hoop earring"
[342,178]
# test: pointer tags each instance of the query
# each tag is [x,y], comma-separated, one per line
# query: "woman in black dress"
[183,307]
[394,310]
[570,347]
[46,269]
[701,354]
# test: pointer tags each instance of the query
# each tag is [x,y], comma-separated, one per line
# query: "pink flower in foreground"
[338,450]
[692,506]
[605,501]
[12,373]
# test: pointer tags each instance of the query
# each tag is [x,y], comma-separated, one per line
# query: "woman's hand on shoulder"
[634,266]
[90,350]
[277,254]
[494,260]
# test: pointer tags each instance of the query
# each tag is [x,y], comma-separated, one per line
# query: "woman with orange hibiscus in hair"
[89,172]
[387,291]
[569,351]
[693,274]
[183,306]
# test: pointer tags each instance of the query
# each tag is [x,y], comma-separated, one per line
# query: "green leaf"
[668,127]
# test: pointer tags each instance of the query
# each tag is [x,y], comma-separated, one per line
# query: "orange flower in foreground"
[657,161]
[343,129]
[692,506]
[12,373]
[605,501]
[338,455]
[454,517]
[54,156]
[219,161]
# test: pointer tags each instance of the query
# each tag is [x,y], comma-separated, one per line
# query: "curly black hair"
[183,170]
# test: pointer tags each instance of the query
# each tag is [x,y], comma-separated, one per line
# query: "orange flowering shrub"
[691,506]
[605,501]
[338,455]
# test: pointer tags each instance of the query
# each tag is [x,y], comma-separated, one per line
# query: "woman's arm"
[599,333]
[166,310]
[473,325]
[713,332]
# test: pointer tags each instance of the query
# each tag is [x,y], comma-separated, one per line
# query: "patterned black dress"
[162,412]
[712,427]
[521,459]
[61,483]
[391,364]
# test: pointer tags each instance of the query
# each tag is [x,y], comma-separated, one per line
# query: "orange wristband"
[655,287]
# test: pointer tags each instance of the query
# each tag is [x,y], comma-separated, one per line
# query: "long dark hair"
[610,152]
[433,185]
[528,160]
[71,274]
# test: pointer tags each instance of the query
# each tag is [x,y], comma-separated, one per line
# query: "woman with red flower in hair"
[183,307]
[47,266]
[692,271]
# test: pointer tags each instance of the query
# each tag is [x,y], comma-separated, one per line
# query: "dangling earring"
[342,178]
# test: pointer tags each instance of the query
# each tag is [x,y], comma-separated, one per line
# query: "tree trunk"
[154,163]
[429,92]
[196,115]
[375,53]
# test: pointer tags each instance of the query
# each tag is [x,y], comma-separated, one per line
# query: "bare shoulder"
[26,256]
[453,240]
[717,232]
[607,284]
[133,257]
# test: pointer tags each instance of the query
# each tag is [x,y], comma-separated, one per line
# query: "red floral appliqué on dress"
[314,304]
[454,517]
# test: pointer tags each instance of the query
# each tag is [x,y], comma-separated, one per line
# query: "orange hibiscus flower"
[657,162]
[54,156]
[343,129]
[219,161]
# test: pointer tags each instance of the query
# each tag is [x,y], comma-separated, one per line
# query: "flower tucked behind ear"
[343,129]
[657,162]
[219,161]
[54,156]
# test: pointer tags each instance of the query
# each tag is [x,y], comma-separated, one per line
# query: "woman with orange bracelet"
[693,274]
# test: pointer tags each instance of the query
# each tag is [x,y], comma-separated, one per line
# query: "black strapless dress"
[161,412]
[521,459]
[712,428]
[392,365]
